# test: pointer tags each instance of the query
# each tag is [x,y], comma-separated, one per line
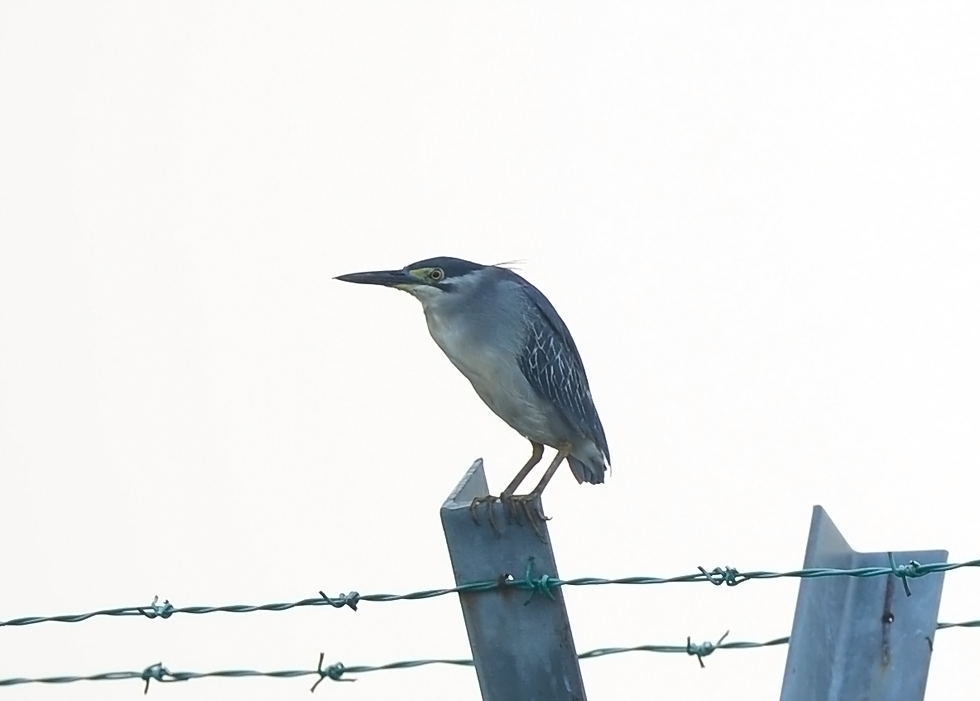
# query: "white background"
[759,221]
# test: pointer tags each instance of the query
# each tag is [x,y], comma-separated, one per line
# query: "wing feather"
[552,365]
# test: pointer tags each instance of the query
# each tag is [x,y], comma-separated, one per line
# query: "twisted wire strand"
[719,576]
[342,673]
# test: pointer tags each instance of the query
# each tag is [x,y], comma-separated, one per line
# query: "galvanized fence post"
[521,640]
[860,639]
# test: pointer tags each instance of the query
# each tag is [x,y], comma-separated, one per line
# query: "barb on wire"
[723,575]
[334,672]
[903,572]
[156,671]
[729,576]
[351,600]
[154,610]
[543,584]
[704,649]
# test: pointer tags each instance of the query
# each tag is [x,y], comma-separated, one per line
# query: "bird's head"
[427,280]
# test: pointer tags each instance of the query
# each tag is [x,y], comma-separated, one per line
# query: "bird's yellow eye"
[436,274]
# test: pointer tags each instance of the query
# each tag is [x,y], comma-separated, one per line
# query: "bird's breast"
[462,344]
[480,352]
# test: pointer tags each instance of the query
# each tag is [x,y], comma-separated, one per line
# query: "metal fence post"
[521,640]
[860,639]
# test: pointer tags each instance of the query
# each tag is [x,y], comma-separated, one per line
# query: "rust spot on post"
[887,618]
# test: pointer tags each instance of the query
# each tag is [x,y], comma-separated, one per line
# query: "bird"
[508,340]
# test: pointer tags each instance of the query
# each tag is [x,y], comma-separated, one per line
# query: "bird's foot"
[514,504]
[530,506]
[489,500]
[527,504]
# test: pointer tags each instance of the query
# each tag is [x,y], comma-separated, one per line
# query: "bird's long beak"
[387,278]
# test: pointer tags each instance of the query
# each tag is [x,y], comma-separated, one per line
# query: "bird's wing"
[551,364]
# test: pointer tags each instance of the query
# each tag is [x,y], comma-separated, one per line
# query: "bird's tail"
[592,470]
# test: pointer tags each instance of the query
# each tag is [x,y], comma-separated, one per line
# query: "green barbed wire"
[544,584]
[339,672]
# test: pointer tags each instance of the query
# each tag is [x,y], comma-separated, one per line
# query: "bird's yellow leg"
[507,497]
[537,451]
[525,499]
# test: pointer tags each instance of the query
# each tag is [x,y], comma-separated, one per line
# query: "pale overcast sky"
[759,220]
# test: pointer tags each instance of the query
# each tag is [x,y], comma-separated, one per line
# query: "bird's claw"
[514,505]
[489,500]
[530,505]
